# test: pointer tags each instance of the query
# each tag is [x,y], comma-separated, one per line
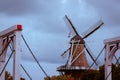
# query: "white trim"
[9,31]
[77,56]
[112,40]
[109,53]
[15,33]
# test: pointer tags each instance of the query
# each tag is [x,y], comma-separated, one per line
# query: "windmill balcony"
[71,68]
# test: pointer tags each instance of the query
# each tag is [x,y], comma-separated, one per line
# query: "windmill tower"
[77,61]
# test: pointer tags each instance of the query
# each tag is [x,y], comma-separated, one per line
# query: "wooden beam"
[11,30]
[112,40]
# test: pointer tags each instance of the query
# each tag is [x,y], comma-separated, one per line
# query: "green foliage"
[60,77]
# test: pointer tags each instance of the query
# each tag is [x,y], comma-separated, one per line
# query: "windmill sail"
[65,52]
[92,29]
[71,27]
[93,57]
[76,52]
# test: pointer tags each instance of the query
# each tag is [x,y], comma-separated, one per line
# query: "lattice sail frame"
[11,34]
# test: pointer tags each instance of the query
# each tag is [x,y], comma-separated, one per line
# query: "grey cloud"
[22,7]
[108,9]
[51,18]
[16,7]
[47,30]
[55,26]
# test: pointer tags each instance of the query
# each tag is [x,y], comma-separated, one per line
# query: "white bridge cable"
[35,57]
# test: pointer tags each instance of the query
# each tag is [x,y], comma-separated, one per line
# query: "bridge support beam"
[11,35]
[17,55]
[112,46]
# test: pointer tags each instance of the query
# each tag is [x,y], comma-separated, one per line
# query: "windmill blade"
[90,54]
[92,29]
[65,52]
[98,57]
[71,26]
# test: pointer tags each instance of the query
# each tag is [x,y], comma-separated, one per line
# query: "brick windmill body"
[77,61]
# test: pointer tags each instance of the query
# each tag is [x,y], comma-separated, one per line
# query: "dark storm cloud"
[45,30]
[46,47]
[51,14]
[108,9]
[16,7]
[47,15]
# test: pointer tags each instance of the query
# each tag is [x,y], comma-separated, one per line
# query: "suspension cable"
[116,59]
[22,66]
[97,57]
[117,62]
[5,47]
[111,70]
[6,63]
[26,72]
[35,57]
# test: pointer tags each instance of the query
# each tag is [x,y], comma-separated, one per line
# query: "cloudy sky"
[46,32]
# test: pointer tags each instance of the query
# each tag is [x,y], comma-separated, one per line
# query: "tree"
[59,77]
[89,74]
[116,72]
[9,77]
[101,74]
[92,74]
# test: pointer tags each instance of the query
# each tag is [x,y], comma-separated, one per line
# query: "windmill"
[76,53]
